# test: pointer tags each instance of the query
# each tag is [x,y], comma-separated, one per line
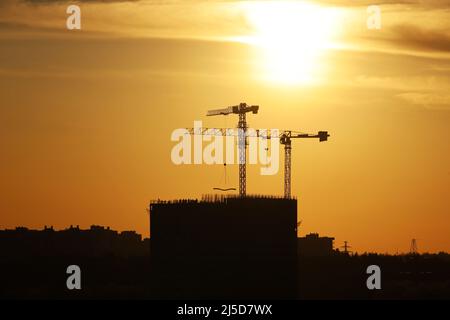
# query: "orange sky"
[86,116]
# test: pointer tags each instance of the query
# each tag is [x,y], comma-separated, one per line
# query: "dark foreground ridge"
[214,248]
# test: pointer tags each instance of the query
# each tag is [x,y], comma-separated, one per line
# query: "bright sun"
[293,36]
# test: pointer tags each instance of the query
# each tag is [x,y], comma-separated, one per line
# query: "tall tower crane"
[241,110]
[285,137]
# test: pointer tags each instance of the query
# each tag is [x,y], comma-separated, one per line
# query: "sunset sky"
[86,115]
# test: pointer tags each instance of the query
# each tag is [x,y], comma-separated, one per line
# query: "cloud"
[427,90]
[428,100]
[362,3]
[414,39]
[420,38]
[74,1]
[423,83]
[13,3]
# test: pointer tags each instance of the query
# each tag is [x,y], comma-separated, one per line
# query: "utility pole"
[346,247]
[413,248]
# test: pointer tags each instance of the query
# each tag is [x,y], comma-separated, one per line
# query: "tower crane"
[241,110]
[285,137]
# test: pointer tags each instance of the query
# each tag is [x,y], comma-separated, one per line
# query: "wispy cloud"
[73,1]
[427,100]
[362,3]
[416,37]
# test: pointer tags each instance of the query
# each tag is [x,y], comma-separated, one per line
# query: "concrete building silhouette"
[225,247]
[73,241]
[313,245]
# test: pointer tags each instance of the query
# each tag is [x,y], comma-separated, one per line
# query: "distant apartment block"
[73,241]
[313,245]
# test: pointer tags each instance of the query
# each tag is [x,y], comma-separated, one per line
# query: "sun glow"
[293,37]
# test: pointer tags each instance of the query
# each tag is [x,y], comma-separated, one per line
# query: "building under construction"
[229,246]
[225,247]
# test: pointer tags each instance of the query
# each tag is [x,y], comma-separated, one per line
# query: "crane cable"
[225,171]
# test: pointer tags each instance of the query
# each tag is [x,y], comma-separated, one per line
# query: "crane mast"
[285,139]
[287,170]
[242,147]
[241,110]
